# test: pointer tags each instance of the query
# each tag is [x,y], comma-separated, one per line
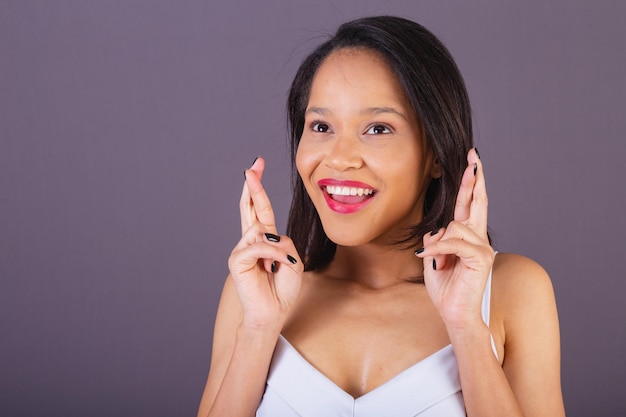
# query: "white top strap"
[486,309]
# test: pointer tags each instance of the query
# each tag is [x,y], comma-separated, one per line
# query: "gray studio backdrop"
[125,126]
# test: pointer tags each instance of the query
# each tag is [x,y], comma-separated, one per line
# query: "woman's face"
[362,156]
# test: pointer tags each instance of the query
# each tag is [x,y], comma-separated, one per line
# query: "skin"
[361,321]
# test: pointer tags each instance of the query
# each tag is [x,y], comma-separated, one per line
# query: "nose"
[345,153]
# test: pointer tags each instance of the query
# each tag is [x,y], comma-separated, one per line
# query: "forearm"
[486,390]
[243,384]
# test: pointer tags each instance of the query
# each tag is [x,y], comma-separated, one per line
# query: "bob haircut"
[436,91]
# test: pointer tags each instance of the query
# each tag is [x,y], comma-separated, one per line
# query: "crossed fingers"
[255,205]
[258,225]
[468,230]
[471,202]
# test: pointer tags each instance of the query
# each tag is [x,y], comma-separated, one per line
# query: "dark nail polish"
[477,153]
[273,267]
[244,174]
[434,265]
[292,259]
[420,250]
[475,168]
[254,161]
[272,237]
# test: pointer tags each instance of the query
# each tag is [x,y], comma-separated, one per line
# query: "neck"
[375,266]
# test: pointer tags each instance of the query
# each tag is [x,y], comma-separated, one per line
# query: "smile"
[346,197]
[339,190]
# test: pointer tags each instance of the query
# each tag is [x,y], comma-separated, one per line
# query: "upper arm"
[524,300]
[227,320]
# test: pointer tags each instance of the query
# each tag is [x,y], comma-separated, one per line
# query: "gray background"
[125,127]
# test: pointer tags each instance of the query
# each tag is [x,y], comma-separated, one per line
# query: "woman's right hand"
[267,273]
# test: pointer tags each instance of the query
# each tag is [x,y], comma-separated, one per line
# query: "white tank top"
[430,388]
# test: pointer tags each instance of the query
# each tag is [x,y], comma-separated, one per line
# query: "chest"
[430,388]
[359,341]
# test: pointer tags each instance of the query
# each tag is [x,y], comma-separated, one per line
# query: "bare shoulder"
[520,283]
[527,333]
[523,305]
[226,321]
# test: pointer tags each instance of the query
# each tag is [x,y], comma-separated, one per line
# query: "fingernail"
[273,267]
[477,153]
[254,160]
[292,259]
[434,232]
[475,168]
[272,237]
[420,250]
[244,175]
[434,265]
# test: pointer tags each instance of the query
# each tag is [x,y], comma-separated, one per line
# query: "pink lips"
[345,204]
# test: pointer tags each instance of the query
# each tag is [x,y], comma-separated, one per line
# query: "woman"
[389,300]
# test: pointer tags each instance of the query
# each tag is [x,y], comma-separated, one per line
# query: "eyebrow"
[370,110]
[319,110]
[380,110]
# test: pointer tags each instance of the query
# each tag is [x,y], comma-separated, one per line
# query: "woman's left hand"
[458,258]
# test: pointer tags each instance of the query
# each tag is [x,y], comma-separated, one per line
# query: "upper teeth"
[339,190]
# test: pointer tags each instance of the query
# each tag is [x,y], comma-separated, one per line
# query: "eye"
[378,130]
[320,127]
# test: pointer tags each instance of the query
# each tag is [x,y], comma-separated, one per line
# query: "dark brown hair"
[434,87]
